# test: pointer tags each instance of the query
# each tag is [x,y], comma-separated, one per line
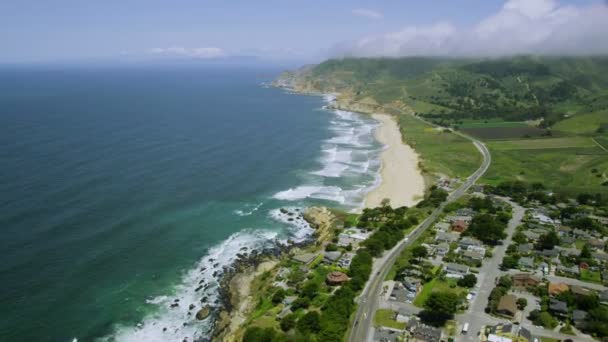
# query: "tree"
[301,302]
[487,229]
[585,252]
[439,307]
[519,237]
[548,241]
[310,289]
[309,323]
[419,252]
[522,303]
[278,296]
[288,322]
[509,261]
[468,280]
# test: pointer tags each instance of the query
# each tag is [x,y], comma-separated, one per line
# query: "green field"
[591,276]
[434,285]
[441,152]
[583,123]
[386,318]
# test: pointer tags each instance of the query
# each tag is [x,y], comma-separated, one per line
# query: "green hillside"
[545,119]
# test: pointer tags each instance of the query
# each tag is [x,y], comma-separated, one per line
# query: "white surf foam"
[179,323]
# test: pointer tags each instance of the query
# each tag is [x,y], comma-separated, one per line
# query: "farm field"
[547,143]
[490,123]
[566,169]
[504,132]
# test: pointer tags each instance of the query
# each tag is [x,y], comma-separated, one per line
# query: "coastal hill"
[543,118]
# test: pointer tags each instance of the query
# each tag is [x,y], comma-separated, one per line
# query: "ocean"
[122,187]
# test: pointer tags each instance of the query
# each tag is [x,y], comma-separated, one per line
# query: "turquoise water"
[118,184]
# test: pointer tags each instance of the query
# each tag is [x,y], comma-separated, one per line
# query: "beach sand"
[402,181]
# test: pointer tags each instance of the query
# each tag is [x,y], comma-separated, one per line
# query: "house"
[507,305]
[526,263]
[283,272]
[567,252]
[289,300]
[442,226]
[567,239]
[498,338]
[572,271]
[581,291]
[557,288]
[597,244]
[411,284]
[385,334]
[543,218]
[465,212]
[446,237]
[525,248]
[399,293]
[564,230]
[531,235]
[579,317]
[604,297]
[465,242]
[281,284]
[466,218]
[403,316]
[442,249]
[346,260]
[472,256]
[331,257]
[478,249]
[600,256]
[550,253]
[525,280]
[526,335]
[558,307]
[459,226]
[423,332]
[352,237]
[336,278]
[456,270]
[305,258]
[501,329]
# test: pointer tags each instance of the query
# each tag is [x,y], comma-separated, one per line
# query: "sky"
[295,30]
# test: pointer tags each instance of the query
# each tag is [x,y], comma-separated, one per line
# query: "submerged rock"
[203,313]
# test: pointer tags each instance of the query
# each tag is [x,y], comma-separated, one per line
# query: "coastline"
[402,182]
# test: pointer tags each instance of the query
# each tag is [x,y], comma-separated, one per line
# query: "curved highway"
[369,299]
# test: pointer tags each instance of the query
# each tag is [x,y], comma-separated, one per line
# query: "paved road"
[362,328]
[490,270]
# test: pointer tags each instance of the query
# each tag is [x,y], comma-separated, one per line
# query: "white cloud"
[520,26]
[367,13]
[200,52]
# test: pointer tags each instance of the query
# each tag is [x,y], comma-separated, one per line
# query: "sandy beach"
[402,180]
